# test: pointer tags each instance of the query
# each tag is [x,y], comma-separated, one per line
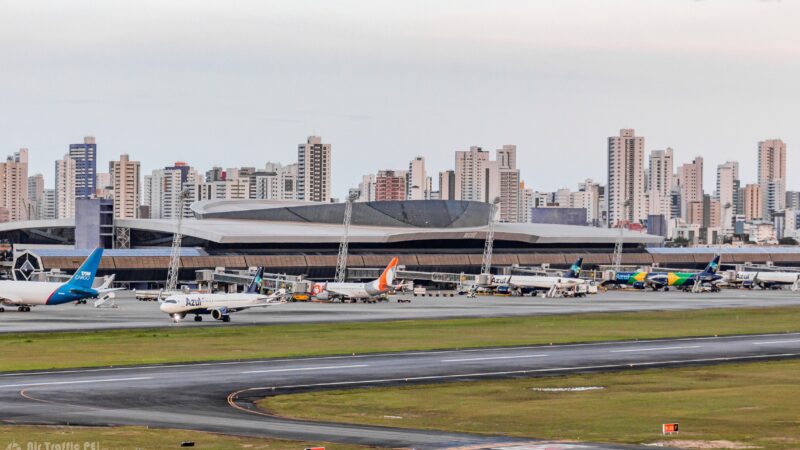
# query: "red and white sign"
[669,428]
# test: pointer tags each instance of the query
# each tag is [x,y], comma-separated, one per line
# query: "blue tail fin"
[84,276]
[255,285]
[713,266]
[575,270]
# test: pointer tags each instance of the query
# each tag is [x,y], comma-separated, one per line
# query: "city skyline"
[442,81]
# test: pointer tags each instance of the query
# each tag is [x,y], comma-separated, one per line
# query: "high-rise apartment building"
[46,209]
[163,188]
[793,200]
[104,185]
[753,203]
[14,187]
[476,176]
[690,180]
[591,200]
[35,195]
[65,187]
[526,203]
[626,184]
[509,179]
[660,176]
[366,189]
[727,192]
[85,157]
[772,175]
[390,185]
[418,183]
[314,170]
[447,185]
[125,181]
[277,182]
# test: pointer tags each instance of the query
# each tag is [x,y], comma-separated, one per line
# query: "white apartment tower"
[277,182]
[470,180]
[447,185]
[418,182]
[314,170]
[690,180]
[772,175]
[35,195]
[626,186]
[65,188]
[659,184]
[125,175]
[508,173]
[727,192]
[14,186]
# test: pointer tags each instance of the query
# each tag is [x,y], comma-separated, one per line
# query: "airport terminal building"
[301,238]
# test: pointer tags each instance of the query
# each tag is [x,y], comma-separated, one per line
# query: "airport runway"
[135,314]
[218,396]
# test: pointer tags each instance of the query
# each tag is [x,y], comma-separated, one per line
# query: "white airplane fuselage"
[32,293]
[205,303]
[353,290]
[768,277]
[537,282]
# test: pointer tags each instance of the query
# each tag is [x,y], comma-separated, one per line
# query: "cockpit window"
[171,301]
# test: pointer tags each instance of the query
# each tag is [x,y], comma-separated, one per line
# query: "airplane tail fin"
[713,266]
[84,276]
[575,269]
[388,276]
[255,285]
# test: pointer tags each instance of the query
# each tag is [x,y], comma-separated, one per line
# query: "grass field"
[122,347]
[755,404]
[132,438]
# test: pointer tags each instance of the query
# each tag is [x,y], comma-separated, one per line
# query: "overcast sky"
[239,83]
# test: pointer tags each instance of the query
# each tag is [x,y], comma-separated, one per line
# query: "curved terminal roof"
[257,221]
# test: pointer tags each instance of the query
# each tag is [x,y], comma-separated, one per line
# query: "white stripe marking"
[653,349]
[487,358]
[776,342]
[516,372]
[297,369]
[58,383]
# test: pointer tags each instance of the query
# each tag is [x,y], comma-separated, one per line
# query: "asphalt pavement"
[218,396]
[135,314]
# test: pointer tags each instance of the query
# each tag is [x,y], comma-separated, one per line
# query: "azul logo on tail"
[713,266]
[575,269]
[255,285]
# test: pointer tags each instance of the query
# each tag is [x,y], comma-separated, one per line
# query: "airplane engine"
[220,314]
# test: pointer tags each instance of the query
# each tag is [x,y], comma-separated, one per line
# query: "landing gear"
[2,309]
[24,309]
[198,318]
[226,318]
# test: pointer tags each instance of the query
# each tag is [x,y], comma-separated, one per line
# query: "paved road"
[134,314]
[217,396]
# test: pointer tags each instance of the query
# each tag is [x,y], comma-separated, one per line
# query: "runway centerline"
[776,342]
[488,358]
[299,369]
[59,383]
[654,349]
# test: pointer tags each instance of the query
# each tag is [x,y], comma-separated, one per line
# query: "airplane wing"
[277,298]
[339,292]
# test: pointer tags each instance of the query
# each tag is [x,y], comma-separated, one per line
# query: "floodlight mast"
[175,255]
[341,258]
[486,265]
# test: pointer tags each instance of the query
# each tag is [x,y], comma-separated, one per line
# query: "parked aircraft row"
[25,294]
[664,280]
